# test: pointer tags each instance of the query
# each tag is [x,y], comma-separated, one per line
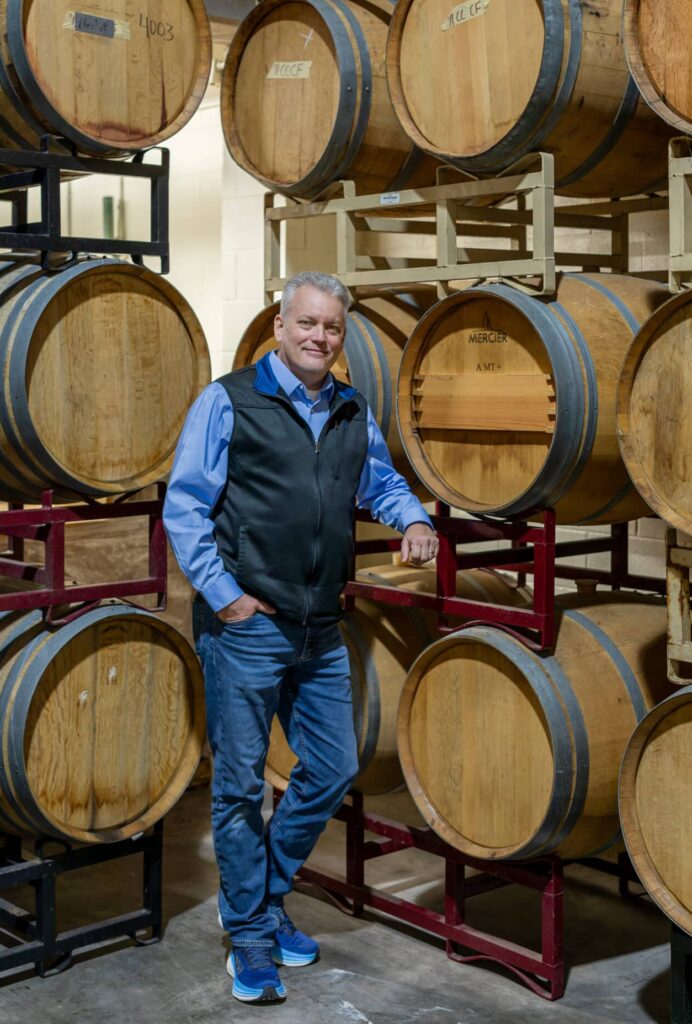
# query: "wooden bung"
[657,36]
[511,754]
[108,76]
[506,403]
[655,805]
[377,329]
[383,642]
[513,77]
[100,361]
[101,723]
[304,99]
[654,411]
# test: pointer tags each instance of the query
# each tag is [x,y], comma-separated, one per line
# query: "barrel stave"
[506,403]
[129,353]
[515,77]
[101,720]
[510,754]
[112,80]
[655,807]
[304,99]
[654,412]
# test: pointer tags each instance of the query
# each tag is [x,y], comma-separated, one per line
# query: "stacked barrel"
[109,80]
[102,719]
[504,404]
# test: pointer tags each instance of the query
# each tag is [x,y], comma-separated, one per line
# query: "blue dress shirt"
[200,474]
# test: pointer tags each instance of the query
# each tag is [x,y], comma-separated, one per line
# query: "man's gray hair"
[316,279]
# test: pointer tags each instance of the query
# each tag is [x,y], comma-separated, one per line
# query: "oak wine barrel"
[654,411]
[513,77]
[100,360]
[110,76]
[304,99]
[511,754]
[382,642]
[656,36]
[377,328]
[101,723]
[655,805]
[506,402]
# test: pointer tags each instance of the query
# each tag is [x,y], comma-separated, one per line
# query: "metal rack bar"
[40,941]
[678,572]
[680,214]
[681,976]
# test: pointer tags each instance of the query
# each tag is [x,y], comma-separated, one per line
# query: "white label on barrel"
[465,12]
[290,69]
[91,24]
[390,199]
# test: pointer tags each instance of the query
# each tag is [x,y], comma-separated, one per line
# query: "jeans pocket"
[240,623]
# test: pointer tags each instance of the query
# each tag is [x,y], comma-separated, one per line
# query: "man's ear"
[278,326]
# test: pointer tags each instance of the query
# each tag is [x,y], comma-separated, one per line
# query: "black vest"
[284,523]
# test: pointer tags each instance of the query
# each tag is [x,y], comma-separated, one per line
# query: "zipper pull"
[317,447]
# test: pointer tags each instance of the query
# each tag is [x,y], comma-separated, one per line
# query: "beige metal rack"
[450,235]
[678,567]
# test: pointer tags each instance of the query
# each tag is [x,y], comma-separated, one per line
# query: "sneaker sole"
[254,995]
[285,959]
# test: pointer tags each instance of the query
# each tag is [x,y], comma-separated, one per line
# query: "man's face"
[311,335]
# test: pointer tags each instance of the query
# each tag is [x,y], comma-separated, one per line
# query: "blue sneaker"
[292,948]
[255,978]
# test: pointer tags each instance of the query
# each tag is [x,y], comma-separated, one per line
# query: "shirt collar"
[290,383]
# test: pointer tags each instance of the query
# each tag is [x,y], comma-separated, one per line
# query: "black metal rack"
[46,169]
[39,941]
[35,938]
[681,976]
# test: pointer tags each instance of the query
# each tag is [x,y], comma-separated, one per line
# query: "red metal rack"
[46,523]
[542,971]
[532,549]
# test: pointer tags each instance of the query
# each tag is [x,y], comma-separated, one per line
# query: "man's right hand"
[244,608]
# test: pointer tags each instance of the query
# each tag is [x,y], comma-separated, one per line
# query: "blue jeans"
[253,670]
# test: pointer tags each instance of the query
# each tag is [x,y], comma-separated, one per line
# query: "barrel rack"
[34,938]
[444,235]
[36,934]
[533,549]
[45,169]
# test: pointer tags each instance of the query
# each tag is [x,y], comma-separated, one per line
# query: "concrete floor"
[370,972]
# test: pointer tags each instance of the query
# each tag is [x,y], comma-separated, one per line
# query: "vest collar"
[267,384]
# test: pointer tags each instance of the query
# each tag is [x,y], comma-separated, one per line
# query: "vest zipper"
[316,449]
[318,526]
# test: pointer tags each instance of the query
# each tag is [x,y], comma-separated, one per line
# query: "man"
[259,512]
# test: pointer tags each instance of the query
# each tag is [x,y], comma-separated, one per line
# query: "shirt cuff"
[415,516]
[221,592]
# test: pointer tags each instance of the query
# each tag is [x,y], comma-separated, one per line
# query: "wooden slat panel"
[488,401]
